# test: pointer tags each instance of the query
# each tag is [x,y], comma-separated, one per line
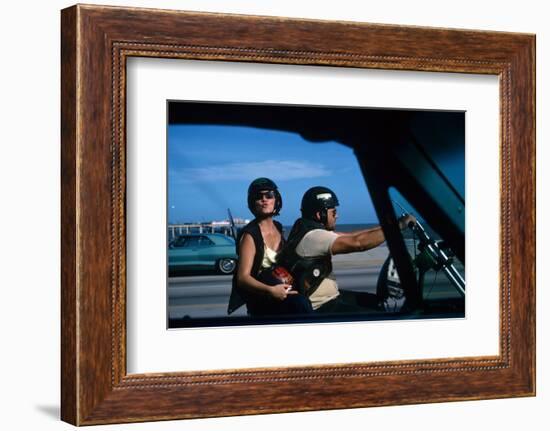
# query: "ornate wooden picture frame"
[96,42]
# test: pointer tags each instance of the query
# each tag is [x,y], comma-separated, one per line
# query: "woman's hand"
[281,291]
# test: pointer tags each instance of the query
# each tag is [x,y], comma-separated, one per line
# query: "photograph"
[303,214]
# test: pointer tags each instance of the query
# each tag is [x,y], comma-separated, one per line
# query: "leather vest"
[308,272]
[239,296]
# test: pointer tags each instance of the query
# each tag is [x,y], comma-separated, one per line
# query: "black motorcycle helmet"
[318,199]
[260,184]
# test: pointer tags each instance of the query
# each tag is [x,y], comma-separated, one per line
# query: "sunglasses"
[270,194]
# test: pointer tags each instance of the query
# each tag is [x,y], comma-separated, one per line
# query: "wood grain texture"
[69,396]
[96,41]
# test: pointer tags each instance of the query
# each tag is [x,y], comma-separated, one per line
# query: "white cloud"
[278,170]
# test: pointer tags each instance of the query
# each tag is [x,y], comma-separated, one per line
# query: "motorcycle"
[427,255]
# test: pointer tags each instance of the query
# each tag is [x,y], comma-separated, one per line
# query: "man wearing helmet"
[311,244]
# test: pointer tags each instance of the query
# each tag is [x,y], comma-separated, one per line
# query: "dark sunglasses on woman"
[270,194]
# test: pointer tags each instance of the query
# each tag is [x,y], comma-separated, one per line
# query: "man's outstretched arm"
[365,239]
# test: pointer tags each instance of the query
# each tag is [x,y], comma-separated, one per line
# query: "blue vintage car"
[202,252]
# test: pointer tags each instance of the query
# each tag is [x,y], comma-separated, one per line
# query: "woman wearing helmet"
[257,246]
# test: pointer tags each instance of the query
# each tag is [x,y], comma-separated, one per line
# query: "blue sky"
[210,168]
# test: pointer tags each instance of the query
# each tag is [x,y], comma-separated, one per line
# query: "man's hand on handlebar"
[407,220]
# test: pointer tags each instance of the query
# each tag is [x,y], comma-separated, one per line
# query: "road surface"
[208,295]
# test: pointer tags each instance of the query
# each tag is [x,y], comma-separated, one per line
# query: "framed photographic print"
[289,212]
